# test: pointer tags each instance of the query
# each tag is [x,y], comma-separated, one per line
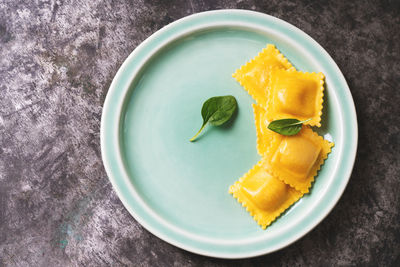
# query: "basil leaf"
[217,110]
[286,126]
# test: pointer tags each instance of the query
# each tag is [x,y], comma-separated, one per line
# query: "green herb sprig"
[216,111]
[286,126]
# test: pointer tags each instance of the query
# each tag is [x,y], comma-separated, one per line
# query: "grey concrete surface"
[57,59]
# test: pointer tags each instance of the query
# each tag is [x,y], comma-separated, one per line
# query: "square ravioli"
[254,75]
[296,159]
[264,135]
[264,196]
[295,94]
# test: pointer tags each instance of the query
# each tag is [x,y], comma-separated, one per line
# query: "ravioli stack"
[289,163]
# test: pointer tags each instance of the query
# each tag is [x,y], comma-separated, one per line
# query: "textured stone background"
[57,59]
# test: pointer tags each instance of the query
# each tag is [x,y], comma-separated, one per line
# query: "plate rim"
[104,130]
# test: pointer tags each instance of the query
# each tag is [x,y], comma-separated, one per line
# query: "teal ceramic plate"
[178,190]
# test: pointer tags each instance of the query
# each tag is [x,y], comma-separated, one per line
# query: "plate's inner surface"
[186,183]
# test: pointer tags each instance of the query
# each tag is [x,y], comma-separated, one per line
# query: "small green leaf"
[286,126]
[217,110]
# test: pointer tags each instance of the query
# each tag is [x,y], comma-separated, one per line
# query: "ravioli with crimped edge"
[254,75]
[296,159]
[295,94]
[264,196]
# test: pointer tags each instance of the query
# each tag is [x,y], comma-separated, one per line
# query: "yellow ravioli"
[264,135]
[254,75]
[295,94]
[296,159]
[264,196]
